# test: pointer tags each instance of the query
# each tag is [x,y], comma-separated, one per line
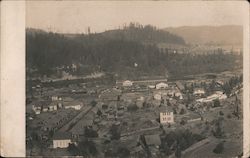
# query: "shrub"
[219,148]
[132,107]
[99,113]
[182,111]
[183,122]
[217,103]
[89,132]
[104,106]
[93,103]
[115,133]
[123,152]
[221,113]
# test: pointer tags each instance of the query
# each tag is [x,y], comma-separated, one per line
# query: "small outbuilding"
[161,85]
[127,83]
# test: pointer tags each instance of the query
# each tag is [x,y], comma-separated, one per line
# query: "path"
[68,126]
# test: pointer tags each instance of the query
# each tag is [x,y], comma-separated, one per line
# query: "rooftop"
[153,139]
[41,103]
[61,136]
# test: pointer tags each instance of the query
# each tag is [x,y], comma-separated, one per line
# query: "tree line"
[47,51]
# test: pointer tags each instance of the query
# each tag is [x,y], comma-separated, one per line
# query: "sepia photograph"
[128,79]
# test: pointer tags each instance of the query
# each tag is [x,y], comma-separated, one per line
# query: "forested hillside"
[109,52]
[145,34]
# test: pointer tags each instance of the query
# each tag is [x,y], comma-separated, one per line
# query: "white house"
[161,85]
[52,106]
[40,106]
[179,94]
[151,86]
[74,105]
[127,83]
[166,117]
[55,98]
[199,91]
[157,96]
[61,140]
[37,110]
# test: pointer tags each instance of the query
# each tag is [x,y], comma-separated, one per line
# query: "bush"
[217,103]
[87,148]
[104,106]
[183,122]
[229,116]
[218,129]
[93,103]
[90,133]
[178,152]
[123,152]
[99,113]
[182,111]
[84,148]
[219,148]
[73,149]
[221,113]
[115,133]
[132,107]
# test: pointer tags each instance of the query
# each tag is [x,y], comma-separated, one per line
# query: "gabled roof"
[153,139]
[68,99]
[41,103]
[61,136]
[166,109]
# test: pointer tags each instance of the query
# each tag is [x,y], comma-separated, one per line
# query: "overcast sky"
[76,16]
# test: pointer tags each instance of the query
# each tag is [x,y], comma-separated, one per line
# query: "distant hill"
[147,34]
[117,51]
[224,35]
[144,34]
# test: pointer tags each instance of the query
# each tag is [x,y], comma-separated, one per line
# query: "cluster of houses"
[55,103]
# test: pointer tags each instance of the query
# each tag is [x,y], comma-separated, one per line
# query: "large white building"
[69,102]
[166,117]
[74,105]
[61,140]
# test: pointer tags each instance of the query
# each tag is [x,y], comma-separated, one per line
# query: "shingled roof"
[61,136]
[153,139]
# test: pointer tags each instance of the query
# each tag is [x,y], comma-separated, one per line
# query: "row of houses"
[164,94]
[56,103]
[159,85]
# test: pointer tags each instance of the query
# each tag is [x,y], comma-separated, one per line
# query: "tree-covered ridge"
[98,52]
[145,34]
